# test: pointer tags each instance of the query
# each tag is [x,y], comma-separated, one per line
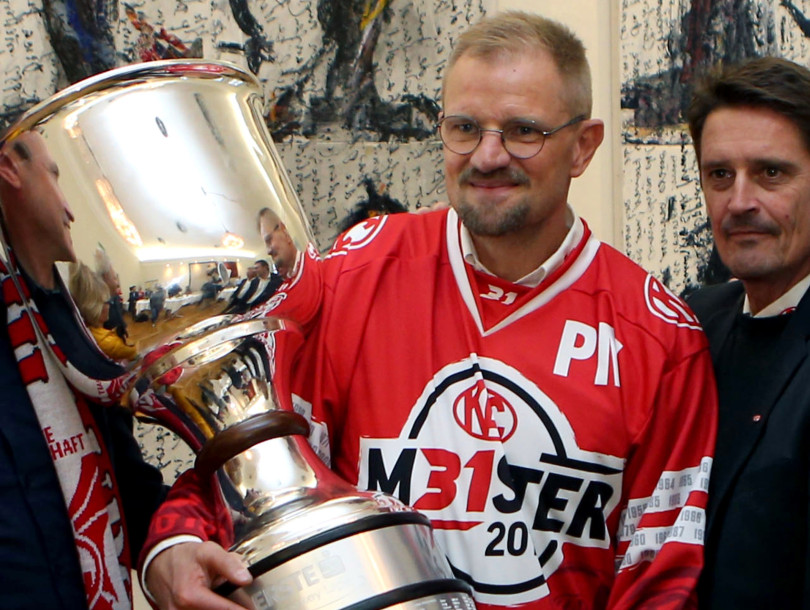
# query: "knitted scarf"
[58,392]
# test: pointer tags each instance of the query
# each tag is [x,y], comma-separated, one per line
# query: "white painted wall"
[596,195]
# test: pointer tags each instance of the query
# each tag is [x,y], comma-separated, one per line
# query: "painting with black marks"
[349,100]
[377,203]
[352,88]
[81,34]
[154,43]
[256,47]
[666,46]
[678,46]
[28,61]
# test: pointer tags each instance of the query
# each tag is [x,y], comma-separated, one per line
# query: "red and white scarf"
[58,390]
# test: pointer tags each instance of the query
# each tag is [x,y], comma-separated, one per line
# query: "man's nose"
[490,154]
[69,212]
[743,195]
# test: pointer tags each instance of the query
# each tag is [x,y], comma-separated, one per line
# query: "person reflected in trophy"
[77,495]
[294,290]
[115,321]
[243,289]
[260,288]
[279,244]
[91,293]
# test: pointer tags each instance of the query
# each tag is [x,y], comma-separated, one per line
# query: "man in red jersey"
[545,402]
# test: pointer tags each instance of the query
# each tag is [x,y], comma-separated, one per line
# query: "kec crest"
[665,305]
[358,236]
[494,463]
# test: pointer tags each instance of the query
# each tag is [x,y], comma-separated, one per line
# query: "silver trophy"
[172,161]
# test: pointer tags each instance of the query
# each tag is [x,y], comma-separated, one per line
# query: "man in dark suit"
[242,289]
[115,319]
[266,286]
[260,289]
[76,493]
[751,129]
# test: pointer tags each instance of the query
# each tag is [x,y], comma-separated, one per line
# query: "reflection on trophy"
[310,539]
[171,161]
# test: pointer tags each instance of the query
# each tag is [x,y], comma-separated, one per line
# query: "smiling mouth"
[492,185]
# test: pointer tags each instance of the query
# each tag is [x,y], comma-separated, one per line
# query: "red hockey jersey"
[559,437]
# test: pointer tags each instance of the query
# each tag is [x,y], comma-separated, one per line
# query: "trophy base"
[391,566]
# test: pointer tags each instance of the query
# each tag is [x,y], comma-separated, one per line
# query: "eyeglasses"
[522,138]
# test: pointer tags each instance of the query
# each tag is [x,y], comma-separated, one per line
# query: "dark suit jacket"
[239,287]
[758,537]
[115,319]
[39,565]
[241,305]
[269,290]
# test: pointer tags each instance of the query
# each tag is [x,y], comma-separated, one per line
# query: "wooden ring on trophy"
[246,434]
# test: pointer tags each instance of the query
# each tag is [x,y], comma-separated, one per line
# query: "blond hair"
[89,292]
[517,33]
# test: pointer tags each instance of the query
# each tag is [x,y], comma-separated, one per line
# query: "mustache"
[508,174]
[736,224]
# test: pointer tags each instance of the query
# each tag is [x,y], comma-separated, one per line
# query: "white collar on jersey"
[532,279]
[571,274]
[787,302]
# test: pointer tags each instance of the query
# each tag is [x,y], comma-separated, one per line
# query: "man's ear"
[591,134]
[8,170]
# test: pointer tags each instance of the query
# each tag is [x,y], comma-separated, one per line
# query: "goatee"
[491,222]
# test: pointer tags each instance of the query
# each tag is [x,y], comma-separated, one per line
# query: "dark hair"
[262,262]
[378,203]
[771,83]
[266,212]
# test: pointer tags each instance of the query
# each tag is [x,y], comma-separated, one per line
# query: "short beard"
[496,223]
[492,221]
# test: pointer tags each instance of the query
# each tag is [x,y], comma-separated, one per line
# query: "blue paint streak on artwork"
[87,41]
[81,35]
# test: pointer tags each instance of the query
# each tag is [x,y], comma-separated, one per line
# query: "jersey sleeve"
[192,509]
[659,551]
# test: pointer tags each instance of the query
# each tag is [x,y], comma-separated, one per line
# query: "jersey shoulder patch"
[665,305]
[359,236]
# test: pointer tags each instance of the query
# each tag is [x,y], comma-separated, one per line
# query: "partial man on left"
[77,495]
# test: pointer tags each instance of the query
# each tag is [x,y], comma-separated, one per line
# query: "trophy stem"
[244,435]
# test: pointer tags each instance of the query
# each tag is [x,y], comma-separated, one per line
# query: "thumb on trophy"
[181,577]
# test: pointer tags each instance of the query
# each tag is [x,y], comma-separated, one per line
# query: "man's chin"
[751,268]
[489,222]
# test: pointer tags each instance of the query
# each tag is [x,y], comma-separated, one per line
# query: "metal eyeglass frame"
[481,131]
